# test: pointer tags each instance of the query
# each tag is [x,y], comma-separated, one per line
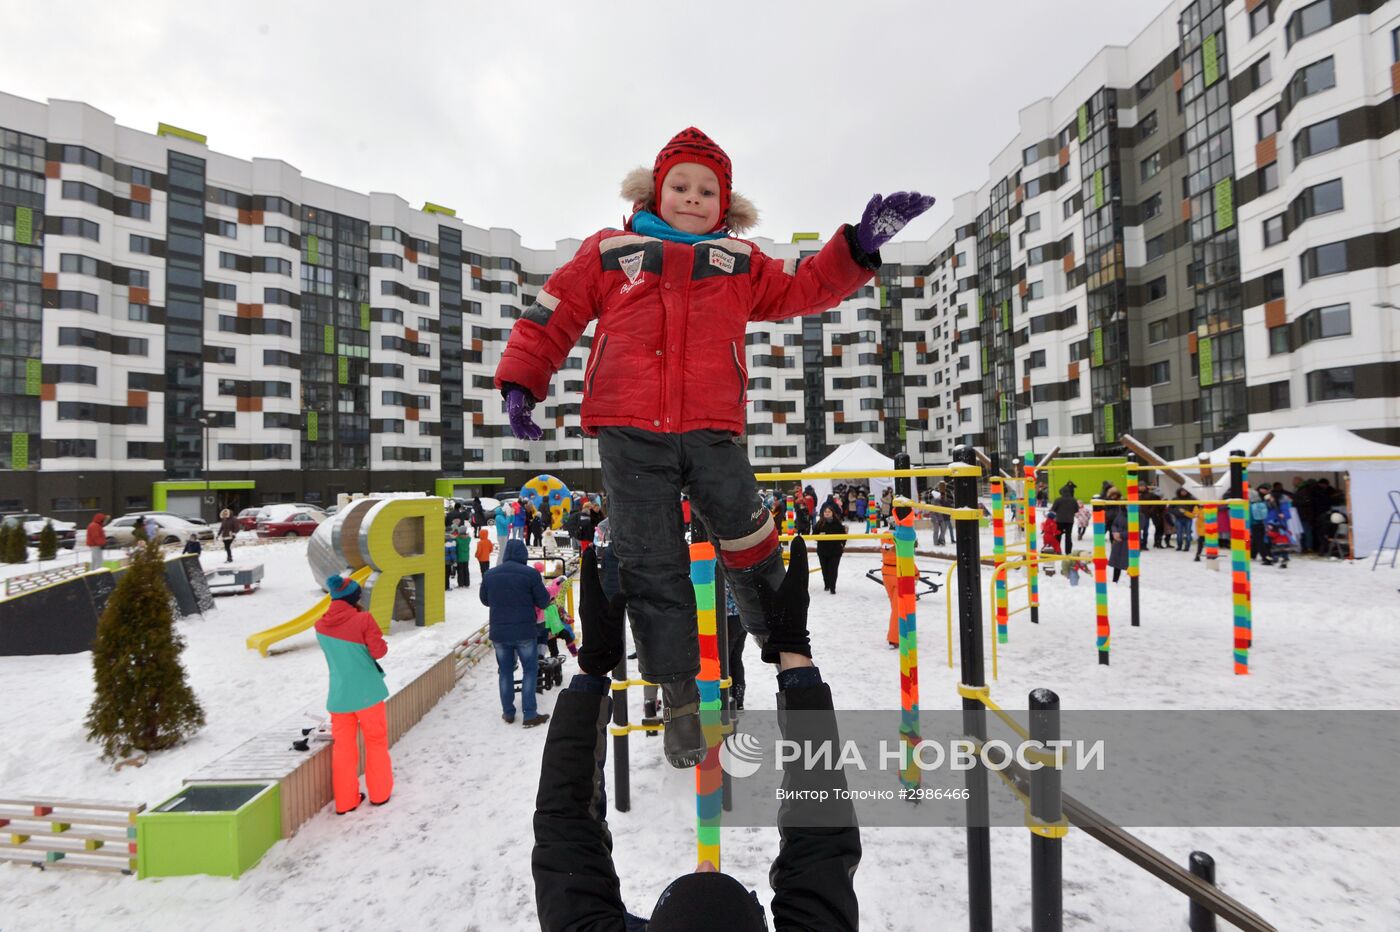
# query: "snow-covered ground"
[452,850]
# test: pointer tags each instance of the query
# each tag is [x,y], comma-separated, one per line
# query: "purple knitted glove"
[518,407]
[886,216]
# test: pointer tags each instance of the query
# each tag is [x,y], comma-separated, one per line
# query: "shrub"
[143,699]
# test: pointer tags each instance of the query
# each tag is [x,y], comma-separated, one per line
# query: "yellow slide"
[265,639]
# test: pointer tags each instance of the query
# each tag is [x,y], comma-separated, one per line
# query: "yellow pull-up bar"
[944,471]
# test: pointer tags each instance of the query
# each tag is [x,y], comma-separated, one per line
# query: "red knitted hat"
[691,145]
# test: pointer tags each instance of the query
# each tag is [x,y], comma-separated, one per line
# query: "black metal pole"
[1133,477]
[622,789]
[979,846]
[1047,891]
[1236,490]
[1203,866]
[903,485]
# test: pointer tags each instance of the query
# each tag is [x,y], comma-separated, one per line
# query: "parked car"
[267,511]
[248,519]
[34,525]
[191,520]
[169,529]
[296,522]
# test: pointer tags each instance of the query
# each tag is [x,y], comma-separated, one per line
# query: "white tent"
[850,457]
[1371,480]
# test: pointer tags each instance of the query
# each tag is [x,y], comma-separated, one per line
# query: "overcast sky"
[527,115]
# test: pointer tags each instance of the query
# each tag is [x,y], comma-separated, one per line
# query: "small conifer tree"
[16,549]
[143,700]
[48,542]
[4,542]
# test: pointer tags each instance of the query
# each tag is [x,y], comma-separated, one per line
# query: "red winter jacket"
[668,352]
[96,533]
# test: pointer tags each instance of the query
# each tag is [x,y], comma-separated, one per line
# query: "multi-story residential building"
[1199,233]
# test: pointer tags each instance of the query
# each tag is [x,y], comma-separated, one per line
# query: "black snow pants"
[644,474]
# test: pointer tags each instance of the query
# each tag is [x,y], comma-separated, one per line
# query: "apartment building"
[1198,234]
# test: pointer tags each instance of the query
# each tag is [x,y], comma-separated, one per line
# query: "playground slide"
[265,639]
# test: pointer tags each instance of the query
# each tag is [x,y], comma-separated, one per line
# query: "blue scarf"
[646,223]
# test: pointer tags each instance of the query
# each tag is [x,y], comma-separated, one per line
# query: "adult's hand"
[601,619]
[786,610]
[519,404]
[886,216]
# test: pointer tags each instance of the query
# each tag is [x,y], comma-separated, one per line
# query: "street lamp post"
[206,420]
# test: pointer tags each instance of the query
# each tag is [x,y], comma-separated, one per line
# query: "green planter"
[219,829]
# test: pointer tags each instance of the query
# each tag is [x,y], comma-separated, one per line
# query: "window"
[964,415]
[1082,424]
[1316,139]
[1307,21]
[1029,155]
[1033,188]
[1159,331]
[1268,178]
[1320,261]
[138,312]
[1259,18]
[1273,230]
[1156,289]
[72,300]
[1067,209]
[1035,290]
[1150,166]
[1162,414]
[1156,247]
[1260,73]
[1332,384]
[1323,322]
[1151,207]
[273,264]
[1032,222]
[75,226]
[79,191]
[80,265]
[1147,126]
[1037,428]
[1159,373]
[1311,79]
[222,291]
[1266,123]
[279,235]
[142,245]
[1325,198]
[76,375]
[228,260]
[1273,285]
[1395,44]
[1278,341]
[223,228]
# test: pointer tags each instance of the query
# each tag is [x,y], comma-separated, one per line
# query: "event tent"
[1371,480]
[851,457]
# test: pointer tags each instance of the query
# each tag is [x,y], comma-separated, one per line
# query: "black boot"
[684,739]
[744,584]
[737,693]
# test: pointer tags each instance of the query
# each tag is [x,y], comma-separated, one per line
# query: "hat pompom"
[334,582]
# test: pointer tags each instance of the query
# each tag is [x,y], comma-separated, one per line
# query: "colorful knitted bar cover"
[1134,524]
[908,641]
[999,555]
[1032,533]
[1100,586]
[708,778]
[790,520]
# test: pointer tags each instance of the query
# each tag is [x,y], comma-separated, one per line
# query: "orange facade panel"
[1275,313]
[1069,262]
[411,414]
[410,255]
[51,169]
[1074,370]
[1191,343]
[137,399]
[1266,150]
[138,295]
[250,404]
[48,392]
[50,281]
[141,193]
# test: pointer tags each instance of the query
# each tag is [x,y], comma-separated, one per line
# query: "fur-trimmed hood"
[638,190]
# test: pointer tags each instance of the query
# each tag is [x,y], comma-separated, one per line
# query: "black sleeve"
[813,876]
[866,260]
[576,886]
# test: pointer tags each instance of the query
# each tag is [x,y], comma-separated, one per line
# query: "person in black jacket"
[513,590]
[576,884]
[829,551]
[1064,510]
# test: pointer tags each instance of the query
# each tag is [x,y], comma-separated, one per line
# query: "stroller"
[1281,543]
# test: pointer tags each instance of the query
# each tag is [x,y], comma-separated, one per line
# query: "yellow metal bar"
[619,685]
[959,514]
[1060,466]
[835,537]
[616,730]
[1311,459]
[942,471]
[1100,503]
[948,589]
[1021,586]
[1023,608]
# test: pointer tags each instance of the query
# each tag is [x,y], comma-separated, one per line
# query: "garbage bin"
[221,829]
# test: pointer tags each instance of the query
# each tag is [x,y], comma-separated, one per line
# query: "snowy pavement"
[452,849]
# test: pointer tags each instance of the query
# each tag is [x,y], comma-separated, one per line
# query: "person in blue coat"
[502,528]
[513,590]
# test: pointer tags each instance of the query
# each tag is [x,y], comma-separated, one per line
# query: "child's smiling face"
[690,198]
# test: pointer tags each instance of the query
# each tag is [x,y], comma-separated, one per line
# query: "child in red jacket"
[666,384]
[352,642]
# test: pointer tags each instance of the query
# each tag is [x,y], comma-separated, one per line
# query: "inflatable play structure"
[391,548]
[546,491]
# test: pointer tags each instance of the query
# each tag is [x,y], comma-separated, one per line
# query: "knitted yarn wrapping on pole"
[1100,586]
[1032,534]
[999,554]
[708,777]
[790,518]
[1134,524]
[1212,532]
[907,577]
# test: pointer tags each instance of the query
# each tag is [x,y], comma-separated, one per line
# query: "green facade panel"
[1206,357]
[24,226]
[313,250]
[1083,123]
[312,426]
[328,339]
[364,316]
[19,451]
[1224,204]
[1109,434]
[33,377]
[1098,188]
[1097,348]
[342,374]
[1210,61]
